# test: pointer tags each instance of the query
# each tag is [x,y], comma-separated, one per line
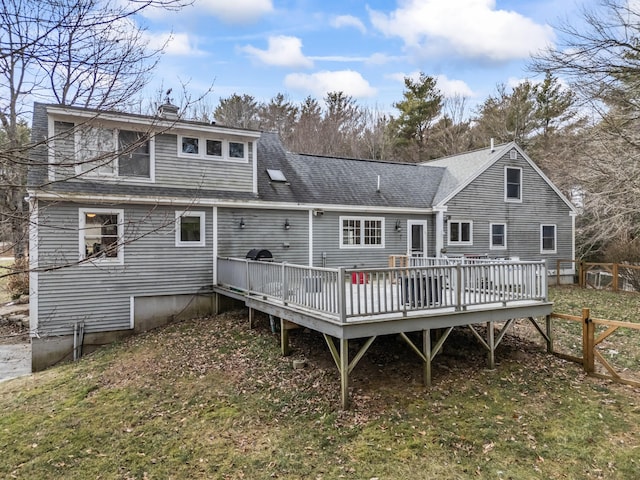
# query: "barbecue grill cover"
[259,254]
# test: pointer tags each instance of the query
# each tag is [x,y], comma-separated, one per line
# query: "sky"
[306,48]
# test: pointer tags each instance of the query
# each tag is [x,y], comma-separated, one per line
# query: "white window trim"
[513,200]
[115,176]
[497,247]
[202,148]
[119,260]
[203,232]
[555,238]
[361,219]
[470,242]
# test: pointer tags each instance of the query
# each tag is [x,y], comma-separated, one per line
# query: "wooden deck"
[345,304]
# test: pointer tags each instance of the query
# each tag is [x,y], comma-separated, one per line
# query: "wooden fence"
[590,343]
[617,277]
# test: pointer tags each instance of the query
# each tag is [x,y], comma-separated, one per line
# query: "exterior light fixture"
[398,226]
[287,225]
[242,225]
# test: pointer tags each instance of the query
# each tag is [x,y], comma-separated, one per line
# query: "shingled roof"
[314,179]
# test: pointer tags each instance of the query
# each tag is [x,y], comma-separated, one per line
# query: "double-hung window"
[498,236]
[513,184]
[548,239]
[212,148]
[367,232]
[101,235]
[111,152]
[460,233]
[190,229]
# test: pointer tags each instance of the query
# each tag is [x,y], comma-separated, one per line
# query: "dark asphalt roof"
[341,181]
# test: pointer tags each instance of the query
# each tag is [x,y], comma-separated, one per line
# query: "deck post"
[251,317]
[492,345]
[426,350]
[549,335]
[284,338]
[344,372]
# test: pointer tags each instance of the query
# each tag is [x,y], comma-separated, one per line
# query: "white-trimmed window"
[460,232]
[112,152]
[512,184]
[498,236]
[363,232]
[548,239]
[190,229]
[101,235]
[218,149]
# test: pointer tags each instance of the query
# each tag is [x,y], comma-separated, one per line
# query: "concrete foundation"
[148,313]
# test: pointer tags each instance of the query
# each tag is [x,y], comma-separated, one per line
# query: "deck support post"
[284,338]
[491,343]
[251,317]
[426,350]
[549,337]
[344,372]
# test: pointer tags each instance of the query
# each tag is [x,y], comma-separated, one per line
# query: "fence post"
[588,342]
[614,272]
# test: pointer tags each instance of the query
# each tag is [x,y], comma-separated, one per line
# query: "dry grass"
[209,398]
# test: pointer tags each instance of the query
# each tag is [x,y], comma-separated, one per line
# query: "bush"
[18,280]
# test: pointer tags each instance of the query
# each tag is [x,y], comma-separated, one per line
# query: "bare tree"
[75,52]
[600,58]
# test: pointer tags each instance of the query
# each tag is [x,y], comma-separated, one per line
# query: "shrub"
[18,280]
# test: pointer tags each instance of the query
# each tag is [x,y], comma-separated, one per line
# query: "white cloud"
[179,44]
[283,51]
[320,83]
[348,21]
[468,28]
[447,86]
[451,88]
[235,11]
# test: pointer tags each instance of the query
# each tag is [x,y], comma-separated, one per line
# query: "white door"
[417,238]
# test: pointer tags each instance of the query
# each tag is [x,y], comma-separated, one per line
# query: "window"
[498,238]
[135,154]
[202,147]
[361,232]
[113,153]
[101,233]
[214,148]
[190,230]
[190,145]
[547,239]
[236,150]
[460,233]
[513,184]
[94,151]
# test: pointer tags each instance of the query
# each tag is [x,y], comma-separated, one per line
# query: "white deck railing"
[346,294]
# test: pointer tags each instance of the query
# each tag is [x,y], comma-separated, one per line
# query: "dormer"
[111,147]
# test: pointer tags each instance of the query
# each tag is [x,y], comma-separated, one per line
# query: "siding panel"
[99,294]
[482,201]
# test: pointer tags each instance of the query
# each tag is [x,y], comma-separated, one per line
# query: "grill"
[260,255]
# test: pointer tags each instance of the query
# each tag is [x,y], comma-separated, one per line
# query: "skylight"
[276,175]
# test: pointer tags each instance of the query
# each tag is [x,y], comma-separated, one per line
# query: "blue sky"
[365,49]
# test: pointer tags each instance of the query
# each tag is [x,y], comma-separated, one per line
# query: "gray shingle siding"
[326,240]
[264,229]
[482,201]
[199,173]
[100,294]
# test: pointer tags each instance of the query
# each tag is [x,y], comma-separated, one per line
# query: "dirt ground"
[12,328]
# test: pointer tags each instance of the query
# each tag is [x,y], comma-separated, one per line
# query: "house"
[130,215]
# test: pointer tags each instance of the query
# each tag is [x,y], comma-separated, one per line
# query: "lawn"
[212,399]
